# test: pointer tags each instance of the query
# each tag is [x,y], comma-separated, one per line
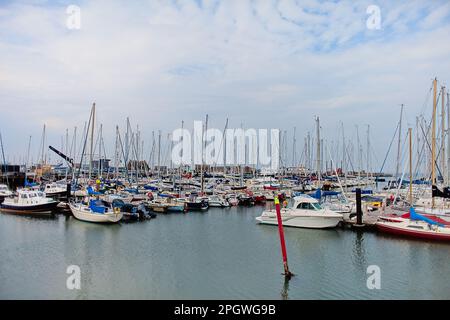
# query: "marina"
[164,224]
[224,150]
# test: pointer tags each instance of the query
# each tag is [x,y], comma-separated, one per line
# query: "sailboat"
[436,206]
[417,226]
[95,211]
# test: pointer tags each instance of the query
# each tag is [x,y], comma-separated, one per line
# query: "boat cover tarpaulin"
[415,216]
[318,194]
[91,191]
[97,207]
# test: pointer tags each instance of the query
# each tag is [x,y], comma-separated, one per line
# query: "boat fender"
[116,210]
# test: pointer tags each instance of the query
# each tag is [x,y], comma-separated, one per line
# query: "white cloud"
[264,63]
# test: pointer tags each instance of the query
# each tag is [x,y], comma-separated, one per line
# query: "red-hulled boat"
[417,226]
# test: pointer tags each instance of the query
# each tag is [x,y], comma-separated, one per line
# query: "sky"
[259,63]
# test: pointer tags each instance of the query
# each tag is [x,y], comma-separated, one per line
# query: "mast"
[308,152]
[74,156]
[26,162]
[344,164]
[433,140]
[99,169]
[410,167]
[225,148]
[159,154]
[4,160]
[203,150]
[116,154]
[318,149]
[368,152]
[294,145]
[418,140]
[443,136]
[181,162]
[43,160]
[91,153]
[397,168]
[448,139]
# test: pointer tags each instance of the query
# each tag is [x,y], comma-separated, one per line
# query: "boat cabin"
[27,197]
[4,191]
[305,202]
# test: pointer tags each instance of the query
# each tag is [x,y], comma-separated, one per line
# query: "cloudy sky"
[261,63]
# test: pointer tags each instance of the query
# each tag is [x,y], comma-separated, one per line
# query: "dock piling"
[359,213]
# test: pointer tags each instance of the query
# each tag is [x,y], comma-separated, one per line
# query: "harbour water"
[219,254]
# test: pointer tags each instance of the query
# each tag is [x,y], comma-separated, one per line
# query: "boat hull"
[176,208]
[88,216]
[40,208]
[392,228]
[303,221]
[197,206]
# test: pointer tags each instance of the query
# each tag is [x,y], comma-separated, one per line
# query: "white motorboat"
[96,211]
[306,212]
[4,192]
[55,189]
[216,201]
[28,201]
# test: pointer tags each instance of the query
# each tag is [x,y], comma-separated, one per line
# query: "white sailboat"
[95,212]
[306,212]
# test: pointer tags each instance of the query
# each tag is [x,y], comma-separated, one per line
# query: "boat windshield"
[309,206]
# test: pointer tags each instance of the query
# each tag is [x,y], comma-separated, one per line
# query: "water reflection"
[223,254]
[285,290]
[359,251]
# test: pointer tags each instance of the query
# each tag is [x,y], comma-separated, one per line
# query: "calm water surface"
[221,254]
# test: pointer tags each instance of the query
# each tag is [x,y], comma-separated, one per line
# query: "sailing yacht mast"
[368,153]
[91,153]
[433,140]
[443,135]
[318,150]
[399,143]
[43,160]
[4,159]
[26,162]
[410,166]
[448,140]
[159,154]
[203,150]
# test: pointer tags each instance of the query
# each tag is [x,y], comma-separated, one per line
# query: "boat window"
[414,226]
[24,196]
[306,206]
[317,206]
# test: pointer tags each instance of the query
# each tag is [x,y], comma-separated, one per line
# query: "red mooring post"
[287,273]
